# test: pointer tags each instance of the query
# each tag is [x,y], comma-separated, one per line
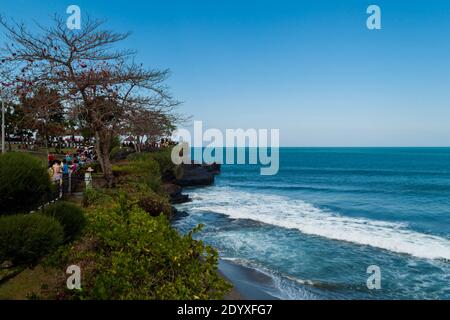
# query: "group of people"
[150,145]
[71,163]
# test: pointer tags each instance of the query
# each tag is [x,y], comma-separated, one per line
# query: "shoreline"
[248,283]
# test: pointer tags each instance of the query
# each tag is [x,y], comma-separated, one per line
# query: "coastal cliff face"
[175,193]
[191,175]
[197,175]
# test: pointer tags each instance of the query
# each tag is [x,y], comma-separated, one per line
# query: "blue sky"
[310,68]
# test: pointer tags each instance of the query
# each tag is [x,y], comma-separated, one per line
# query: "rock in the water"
[213,168]
[195,175]
[175,193]
[179,214]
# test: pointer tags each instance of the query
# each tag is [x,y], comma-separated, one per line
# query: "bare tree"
[147,126]
[43,111]
[97,82]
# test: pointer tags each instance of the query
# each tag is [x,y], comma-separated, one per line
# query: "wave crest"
[296,214]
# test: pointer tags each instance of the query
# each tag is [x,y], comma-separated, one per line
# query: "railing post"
[70,183]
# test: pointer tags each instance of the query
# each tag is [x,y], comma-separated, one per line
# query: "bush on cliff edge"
[138,256]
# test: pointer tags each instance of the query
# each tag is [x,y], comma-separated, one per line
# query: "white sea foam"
[308,219]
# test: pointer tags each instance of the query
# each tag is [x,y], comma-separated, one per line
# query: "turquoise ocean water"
[328,215]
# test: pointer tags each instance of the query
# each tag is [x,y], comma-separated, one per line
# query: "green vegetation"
[93,196]
[163,158]
[152,167]
[24,183]
[118,151]
[141,178]
[138,256]
[70,216]
[24,239]
[143,171]
[127,249]
[130,250]
[155,205]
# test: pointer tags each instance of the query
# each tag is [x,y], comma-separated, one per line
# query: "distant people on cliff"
[50,159]
[65,167]
[55,171]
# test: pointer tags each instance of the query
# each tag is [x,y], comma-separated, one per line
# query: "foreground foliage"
[127,250]
[24,239]
[24,183]
[128,254]
[70,216]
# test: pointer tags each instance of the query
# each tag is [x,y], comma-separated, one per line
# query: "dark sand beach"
[249,284]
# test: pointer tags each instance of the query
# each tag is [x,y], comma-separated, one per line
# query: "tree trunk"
[103,146]
[107,170]
[46,140]
[98,150]
[138,139]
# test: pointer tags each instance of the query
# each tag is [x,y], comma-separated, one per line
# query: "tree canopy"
[98,85]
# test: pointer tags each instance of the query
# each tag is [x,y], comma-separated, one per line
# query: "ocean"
[330,213]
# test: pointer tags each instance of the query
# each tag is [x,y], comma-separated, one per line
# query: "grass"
[28,284]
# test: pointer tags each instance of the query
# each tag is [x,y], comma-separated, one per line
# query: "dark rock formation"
[213,168]
[191,175]
[196,175]
[178,214]
[175,193]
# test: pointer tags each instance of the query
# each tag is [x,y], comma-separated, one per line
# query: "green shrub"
[70,216]
[164,160]
[26,238]
[118,152]
[94,196]
[148,248]
[146,170]
[138,256]
[115,142]
[138,156]
[155,205]
[24,183]
[167,170]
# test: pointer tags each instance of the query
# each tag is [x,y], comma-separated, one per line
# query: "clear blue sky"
[310,68]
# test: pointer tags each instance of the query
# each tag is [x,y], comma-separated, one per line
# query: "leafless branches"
[96,82]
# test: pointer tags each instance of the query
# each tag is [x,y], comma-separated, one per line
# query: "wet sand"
[249,284]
